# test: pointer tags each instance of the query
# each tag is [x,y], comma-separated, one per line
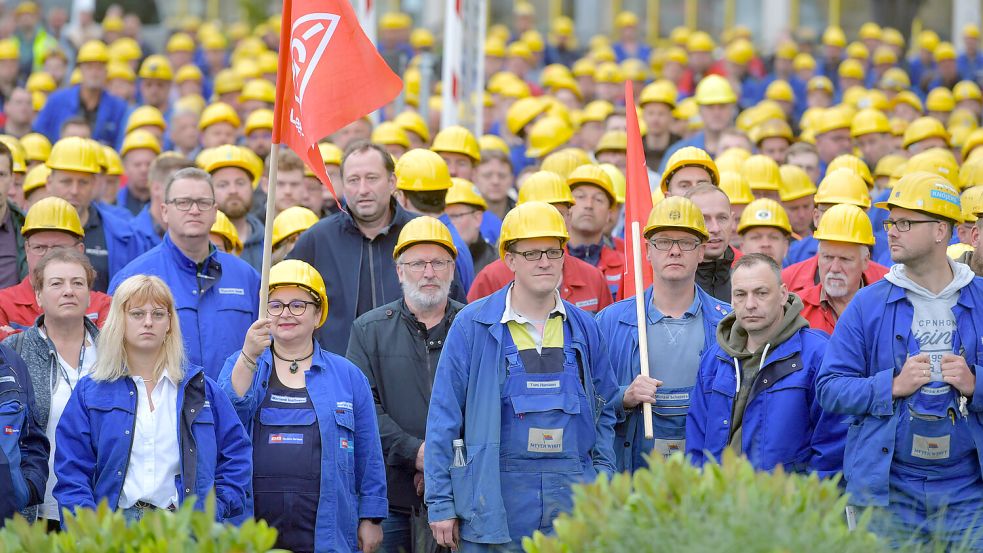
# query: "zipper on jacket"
[133,431]
[375,302]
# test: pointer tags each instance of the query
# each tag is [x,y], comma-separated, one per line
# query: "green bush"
[102,530]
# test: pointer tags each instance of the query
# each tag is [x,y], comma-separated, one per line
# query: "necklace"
[294,367]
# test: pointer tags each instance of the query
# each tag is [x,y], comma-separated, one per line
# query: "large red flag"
[638,196]
[329,75]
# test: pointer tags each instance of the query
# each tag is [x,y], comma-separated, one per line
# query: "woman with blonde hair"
[147,430]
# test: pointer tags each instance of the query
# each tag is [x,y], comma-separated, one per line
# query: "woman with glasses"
[60,348]
[147,430]
[318,475]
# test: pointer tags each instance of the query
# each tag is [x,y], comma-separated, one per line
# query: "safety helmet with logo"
[736,187]
[869,121]
[291,221]
[36,147]
[545,186]
[845,223]
[926,193]
[156,66]
[533,219]
[565,161]
[546,135]
[224,228]
[795,184]
[228,155]
[145,116]
[762,173]
[940,161]
[661,91]
[853,163]
[689,156]
[139,139]
[676,213]
[73,153]
[764,212]
[294,272]
[52,213]
[843,186]
[463,191]
[714,89]
[218,112]
[421,170]
[389,133]
[922,128]
[592,175]
[457,140]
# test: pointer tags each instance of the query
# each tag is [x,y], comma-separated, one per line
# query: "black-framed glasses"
[666,244]
[536,255]
[420,266]
[184,204]
[296,307]
[904,225]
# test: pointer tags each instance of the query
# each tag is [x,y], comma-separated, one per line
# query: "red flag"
[329,75]
[638,196]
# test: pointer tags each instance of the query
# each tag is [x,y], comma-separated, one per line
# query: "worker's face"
[591,209]
[807,162]
[291,190]
[64,293]
[423,285]
[874,146]
[6,177]
[184,131]
[315,194]
[367,186]
[467,220]
[841,267]
[196,222]
[233,191]
[39,243]
[800,214]
[18,107]
[686,178]
[775,147]
[494,179]
[833,143]
[74,187]
[287,326]
[147,326]
[460,165]
[770,241]
[260,141]
[540,277]
[617,158]
[674,255]
[155,92]
[589,134]
[218,134]
[717,117]
[716,211]
[758,297]
[657,117]
[917,242]
[926,144]
[136,165]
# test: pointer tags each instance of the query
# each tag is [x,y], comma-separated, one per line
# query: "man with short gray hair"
[216,293]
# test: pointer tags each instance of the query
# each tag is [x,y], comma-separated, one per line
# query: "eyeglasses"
[904,225]
[420,266]
[139,315]
[536,255]
[41,249]
[457,216]
[184,204]
[296,307]
[666,244]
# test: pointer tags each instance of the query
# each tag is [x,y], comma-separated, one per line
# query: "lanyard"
[78,369]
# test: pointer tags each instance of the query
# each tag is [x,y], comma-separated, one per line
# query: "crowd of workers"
[449,345]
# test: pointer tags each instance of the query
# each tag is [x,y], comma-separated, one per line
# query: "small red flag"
[638,196]
[329,75]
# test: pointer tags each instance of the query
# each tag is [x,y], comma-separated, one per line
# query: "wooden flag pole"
[643,345]
[264,287]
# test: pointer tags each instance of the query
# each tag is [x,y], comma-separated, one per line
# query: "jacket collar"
[183,261]
[399,218]
[897,293]
[710,307]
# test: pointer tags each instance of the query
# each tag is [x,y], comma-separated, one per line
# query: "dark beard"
[236,208]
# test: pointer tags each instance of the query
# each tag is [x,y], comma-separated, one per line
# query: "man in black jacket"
[397,346]
[713,273]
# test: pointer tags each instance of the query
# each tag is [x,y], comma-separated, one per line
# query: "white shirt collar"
[510,315]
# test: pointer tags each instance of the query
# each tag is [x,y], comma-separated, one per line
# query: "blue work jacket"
[122,243]
[95,438]
[143,226]
[870,344]
[783,424]
[698,140]
[353,478]
[466,403]
[23,444]
[215,303]
[619,326]
[65,104]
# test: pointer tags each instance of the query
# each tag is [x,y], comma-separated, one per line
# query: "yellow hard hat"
[411,121]
[853,163]
[393,21]
[545,186]
[678,55]
[214,41]
[224,228]
[714,89]
[389,133]
[662,91]
[494,47]
[689,156]
[218,112]
[259,119]
[971,174]
[762,173]
[519,49]
[229,155]
[732,159]
[893,37]
[188,72]
[957,250]
[120,70]
[554,72]
[633,69]
[17,152]
[144,116]
[294,272]
[845,223]
[490,142]
[971,30]
[122,49]
[584,67]
[114,165]
[625,19]
[843,186]
[41,82]
[597,110]
[772,128]
[739,52]
[463,191]
[870,31]
[922,128]
[869,121]
[421,38]
[180,42]
[330,153]
[36,178]
[857,51]
[457,140]
[885,55]
[74,154]
[736,187]
[619,181]
[593,175]
[564,162]
[831,119]
[795,183]
[92,51]
[699,41]
[547,134]
[291,221]
[786,50]
[895,79]
[609,72]
[679,35]
[764,212]
[780,91]
[804,62]
[820,82]
[421,170]
[676,213]
[533,40]
[532,219]
[907,97]
[156,67]
[971,203]
[523,111]
[927,193]
[227,81]
[887,164]
[112,24]
[260,90]
[612,141]
[940,161]
[834,36]
[945,51]
[36,147]
[940,99]
[52,213]
[139,140]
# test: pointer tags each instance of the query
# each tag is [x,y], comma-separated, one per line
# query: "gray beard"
[426,301]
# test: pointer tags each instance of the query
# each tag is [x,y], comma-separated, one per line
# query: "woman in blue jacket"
[319,475]
[146,430]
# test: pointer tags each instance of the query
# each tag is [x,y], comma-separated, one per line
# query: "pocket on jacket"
[12,415]
[462,485]
[345,421]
